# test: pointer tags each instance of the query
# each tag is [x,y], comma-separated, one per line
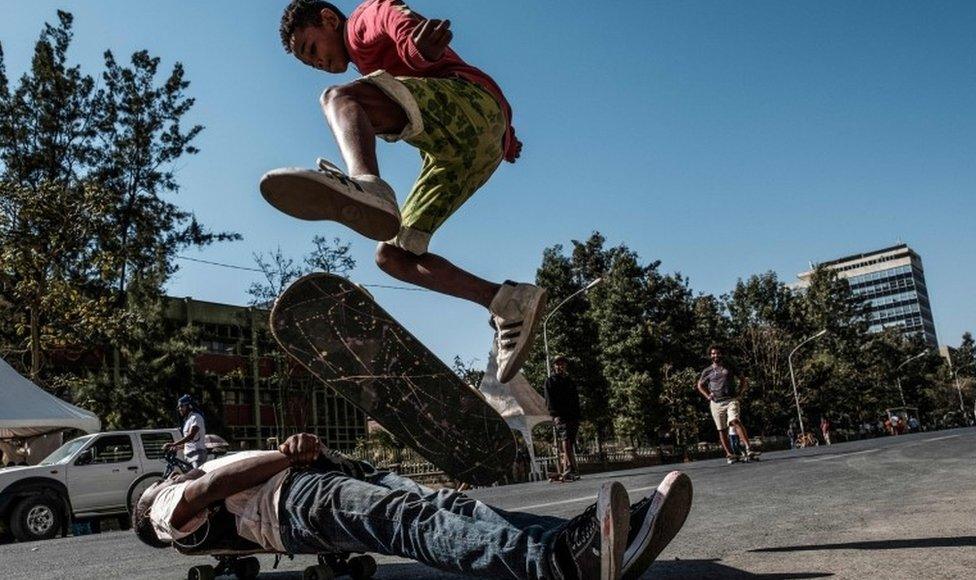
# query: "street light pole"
[545,321]
[796,394]
[898,378]
[955,379]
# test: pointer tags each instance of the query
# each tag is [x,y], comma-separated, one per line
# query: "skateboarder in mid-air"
[415,89]
[304,499]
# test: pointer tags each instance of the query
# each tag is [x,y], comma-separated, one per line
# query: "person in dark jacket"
[562,399]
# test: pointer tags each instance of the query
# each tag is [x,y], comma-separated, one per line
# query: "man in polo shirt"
[719,384]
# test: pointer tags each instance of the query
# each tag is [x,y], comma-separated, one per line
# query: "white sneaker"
[654,521]
[365,203]
[516,311]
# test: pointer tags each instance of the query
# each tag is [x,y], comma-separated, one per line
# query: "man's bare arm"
[704,392]
[189,437]
[225,481]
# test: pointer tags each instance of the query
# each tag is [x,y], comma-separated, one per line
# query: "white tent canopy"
[517,402]
[27,410]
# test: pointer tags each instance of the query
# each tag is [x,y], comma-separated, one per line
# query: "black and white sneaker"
[591,545]
[655,521]
[515,313]
[364,203]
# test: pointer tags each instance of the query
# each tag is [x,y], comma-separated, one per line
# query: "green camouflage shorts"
[460,146]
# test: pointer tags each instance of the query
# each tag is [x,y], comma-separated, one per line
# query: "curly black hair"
[142,525]
[302,13]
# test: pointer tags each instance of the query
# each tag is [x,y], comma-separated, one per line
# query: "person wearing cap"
[194,433]
[562,400]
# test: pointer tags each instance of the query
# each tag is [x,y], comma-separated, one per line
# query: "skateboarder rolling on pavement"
[718,384]
[415,89]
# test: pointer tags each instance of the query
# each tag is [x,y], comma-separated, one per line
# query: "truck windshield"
[61,454]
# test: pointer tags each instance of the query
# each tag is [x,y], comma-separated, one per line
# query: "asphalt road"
[896,507]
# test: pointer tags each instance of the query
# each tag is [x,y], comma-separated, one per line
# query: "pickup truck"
[86,479]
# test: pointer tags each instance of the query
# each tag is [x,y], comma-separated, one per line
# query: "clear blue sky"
[723,138]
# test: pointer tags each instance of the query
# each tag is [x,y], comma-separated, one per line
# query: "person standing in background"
[562,400]
[194,430]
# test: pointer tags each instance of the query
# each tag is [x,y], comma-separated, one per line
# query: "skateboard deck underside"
[338,332]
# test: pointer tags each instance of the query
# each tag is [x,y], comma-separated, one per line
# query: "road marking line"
[579,499]
[940,438]
[841,456]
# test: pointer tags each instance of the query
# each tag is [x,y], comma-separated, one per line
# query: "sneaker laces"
[580,529]
[329,168]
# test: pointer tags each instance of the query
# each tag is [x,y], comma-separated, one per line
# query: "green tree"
[964,357]
[47,123]
[280,270]
[627,347]
[52,298]
[468,372]
[762,325]
[571,332]
[829,368]
[682,407]
[82,186]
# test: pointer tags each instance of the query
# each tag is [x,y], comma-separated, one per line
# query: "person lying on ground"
[306,499]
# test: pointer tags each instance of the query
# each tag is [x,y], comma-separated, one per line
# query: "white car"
[87,478]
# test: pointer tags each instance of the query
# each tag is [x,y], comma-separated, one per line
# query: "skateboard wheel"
[362,567]
[204,572]
[320,572]
[247,568]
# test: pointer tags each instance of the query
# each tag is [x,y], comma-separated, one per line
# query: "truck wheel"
[320,572]
[247,568]
[204,572]
[36,518]
[362,567]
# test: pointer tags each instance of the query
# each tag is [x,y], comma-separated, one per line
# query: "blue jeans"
[328,511]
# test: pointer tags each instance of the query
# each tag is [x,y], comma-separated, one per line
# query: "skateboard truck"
[330,566]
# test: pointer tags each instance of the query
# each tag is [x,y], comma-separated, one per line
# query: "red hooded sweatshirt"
[378,36]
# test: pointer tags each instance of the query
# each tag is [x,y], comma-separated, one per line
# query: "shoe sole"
[668,512]
[302,197]
[613,511]
[537,308]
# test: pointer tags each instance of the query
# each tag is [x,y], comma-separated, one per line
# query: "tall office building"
[892,282]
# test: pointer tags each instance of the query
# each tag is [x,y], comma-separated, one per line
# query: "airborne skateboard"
[340,334]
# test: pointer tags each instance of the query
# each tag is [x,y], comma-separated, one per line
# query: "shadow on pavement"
[713,569]
[948,542]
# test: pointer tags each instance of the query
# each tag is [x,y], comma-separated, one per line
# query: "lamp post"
[898,379]
[545,321]
[955,379]
[796,394]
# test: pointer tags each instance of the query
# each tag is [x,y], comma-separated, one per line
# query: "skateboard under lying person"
[240,561]
[340,334]
[245,566]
